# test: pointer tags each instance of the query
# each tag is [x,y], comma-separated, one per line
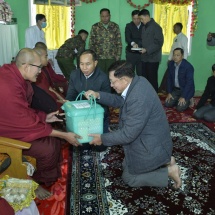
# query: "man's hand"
[143,50]
[91,93]
[169,97]
[181,101]
[97,141]
[72,138]
[51,117]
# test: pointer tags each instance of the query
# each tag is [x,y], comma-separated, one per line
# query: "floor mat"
[97,186]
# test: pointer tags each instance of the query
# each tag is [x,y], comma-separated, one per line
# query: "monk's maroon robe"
[5,208]
[19,121]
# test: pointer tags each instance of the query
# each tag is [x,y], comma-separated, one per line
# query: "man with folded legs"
[21,122]
[143,129]
[180,82]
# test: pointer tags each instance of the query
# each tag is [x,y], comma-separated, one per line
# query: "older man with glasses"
[143,129]
[19,121]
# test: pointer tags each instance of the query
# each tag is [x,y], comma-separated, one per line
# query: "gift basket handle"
[92,103]
[80,96]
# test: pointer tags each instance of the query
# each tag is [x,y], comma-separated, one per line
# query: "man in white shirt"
[35,34]
[180,41]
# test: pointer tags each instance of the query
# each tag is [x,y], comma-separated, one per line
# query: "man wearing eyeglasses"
[143,129]
[20,122]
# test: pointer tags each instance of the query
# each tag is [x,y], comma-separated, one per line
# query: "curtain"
[58,24]
[166,16]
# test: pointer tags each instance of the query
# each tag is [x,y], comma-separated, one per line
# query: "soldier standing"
[105,40]
[69,50]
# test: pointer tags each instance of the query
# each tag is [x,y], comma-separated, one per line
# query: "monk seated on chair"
[19,121]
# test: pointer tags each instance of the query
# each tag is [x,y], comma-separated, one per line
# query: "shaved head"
[40,50]
[43,55]
[26,55]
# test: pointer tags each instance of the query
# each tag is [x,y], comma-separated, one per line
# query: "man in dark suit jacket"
[143,129]
[152,42]
[180,82]
[133,38]
[89,76]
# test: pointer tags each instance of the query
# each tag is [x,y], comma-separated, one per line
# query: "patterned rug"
[97,187]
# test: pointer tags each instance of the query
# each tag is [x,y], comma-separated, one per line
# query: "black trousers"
[135,59]
[150,72]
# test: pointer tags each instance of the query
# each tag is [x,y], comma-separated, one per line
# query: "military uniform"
[67,52]
[105,40]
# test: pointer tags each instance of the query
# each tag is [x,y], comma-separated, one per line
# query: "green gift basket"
[84,117]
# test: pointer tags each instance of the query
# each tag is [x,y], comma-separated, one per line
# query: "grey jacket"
[143,127]
[152,41]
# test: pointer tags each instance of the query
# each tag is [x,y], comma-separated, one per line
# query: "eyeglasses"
[39,67]
[113,82]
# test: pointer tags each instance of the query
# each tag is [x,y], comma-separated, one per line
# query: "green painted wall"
[20,11]
[202,57]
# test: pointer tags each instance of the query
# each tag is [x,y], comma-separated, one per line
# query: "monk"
[44,80]
[21,122]
[57,81]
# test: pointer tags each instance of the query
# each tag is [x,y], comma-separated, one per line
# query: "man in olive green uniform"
[69,50]
[105,40]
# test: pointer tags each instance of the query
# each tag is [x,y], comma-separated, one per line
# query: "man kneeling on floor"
[180,82]
[143,129]
[21,122]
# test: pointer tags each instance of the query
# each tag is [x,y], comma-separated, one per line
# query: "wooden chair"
[11,150]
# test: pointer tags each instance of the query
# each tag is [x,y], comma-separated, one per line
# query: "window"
[166,16]
[58,23]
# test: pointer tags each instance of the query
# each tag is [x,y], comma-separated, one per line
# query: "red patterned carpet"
[172,114]
[57,204]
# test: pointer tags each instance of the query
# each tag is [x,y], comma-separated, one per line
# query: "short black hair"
[144,12]
[90,51]
[40,17]
[213,68]
[180,49]
[83,31]
[122,68]
[179,25]
[104,9]
[135,12]
[41,45]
